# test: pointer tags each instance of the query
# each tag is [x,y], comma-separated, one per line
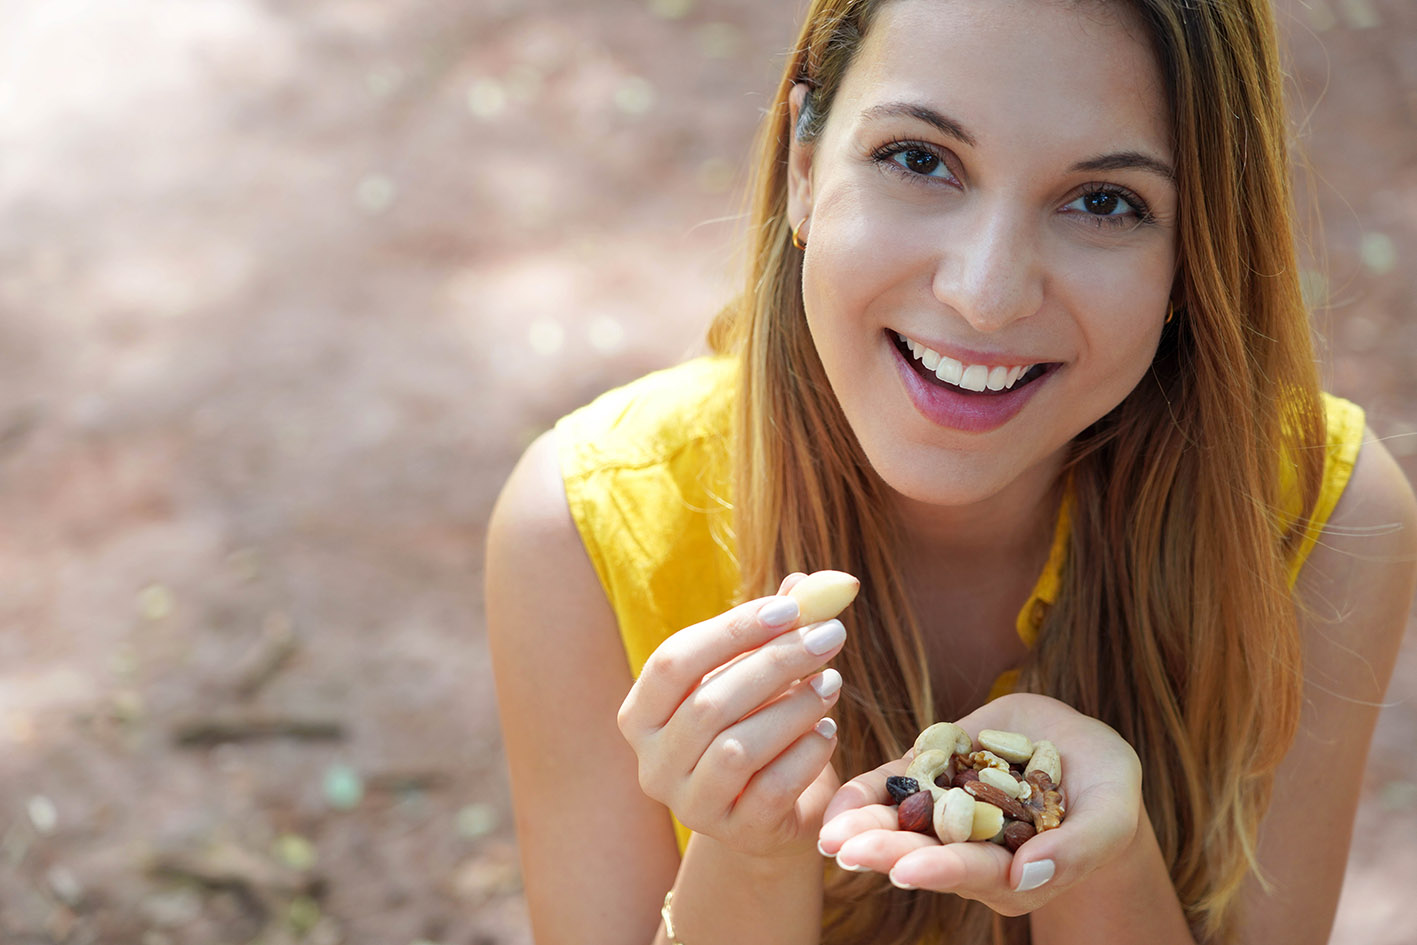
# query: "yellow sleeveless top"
[646,469]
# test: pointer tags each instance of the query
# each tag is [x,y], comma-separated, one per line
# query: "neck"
[1015,524]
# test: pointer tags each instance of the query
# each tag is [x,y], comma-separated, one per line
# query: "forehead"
[1011,70]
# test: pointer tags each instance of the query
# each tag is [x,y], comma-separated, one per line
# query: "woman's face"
[992,236]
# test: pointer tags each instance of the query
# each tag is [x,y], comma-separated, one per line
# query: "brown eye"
[921,162]
[1101,203]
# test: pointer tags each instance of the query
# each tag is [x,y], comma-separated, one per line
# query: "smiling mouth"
[983,379]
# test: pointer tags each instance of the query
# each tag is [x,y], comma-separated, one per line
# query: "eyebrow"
[943,123]
[1127,160]
[1116,161]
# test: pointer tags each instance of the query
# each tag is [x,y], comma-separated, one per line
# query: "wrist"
[723,895]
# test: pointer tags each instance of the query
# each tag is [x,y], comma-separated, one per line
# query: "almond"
[987,792]
[917,812]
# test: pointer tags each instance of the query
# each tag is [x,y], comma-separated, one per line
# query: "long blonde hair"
[1175,623]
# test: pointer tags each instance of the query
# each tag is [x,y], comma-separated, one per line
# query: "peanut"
[1045,758]
[1002,780]
[823,594]
[1010,746]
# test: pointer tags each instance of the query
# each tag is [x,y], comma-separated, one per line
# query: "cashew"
[1045,758]
[945,736]
[926,767]
[823,594]
[954,816]
[1010,746]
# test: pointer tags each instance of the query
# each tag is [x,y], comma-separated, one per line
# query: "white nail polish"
[827,682]
[900,885]
[825,728]
[853,867]
[1035,874]
[824,637]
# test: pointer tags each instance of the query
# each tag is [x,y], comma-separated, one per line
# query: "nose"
[989,273]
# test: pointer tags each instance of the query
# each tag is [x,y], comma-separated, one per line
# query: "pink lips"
[968,412]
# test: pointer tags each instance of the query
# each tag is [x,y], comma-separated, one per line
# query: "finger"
[973,870]
[880,848]
[791,581]
[1095,828]
[740,752]
[731,695]
[868,788]
[681,662]
[778,788]
[853,822]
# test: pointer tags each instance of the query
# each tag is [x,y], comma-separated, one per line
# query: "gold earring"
[797,239]
[1170,311]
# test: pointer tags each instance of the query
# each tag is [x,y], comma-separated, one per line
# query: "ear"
[799,162]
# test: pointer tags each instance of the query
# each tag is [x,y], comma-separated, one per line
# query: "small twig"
[267,657]
[213,730]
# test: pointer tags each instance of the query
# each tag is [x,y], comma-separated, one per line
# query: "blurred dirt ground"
[284,290]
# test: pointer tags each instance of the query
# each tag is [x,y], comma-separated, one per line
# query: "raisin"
[901,788]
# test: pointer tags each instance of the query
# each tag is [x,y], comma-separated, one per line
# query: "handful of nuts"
[1005,791]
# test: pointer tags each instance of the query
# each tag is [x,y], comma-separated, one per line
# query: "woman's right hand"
[728,720]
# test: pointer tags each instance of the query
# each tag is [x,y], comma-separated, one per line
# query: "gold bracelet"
[669,919]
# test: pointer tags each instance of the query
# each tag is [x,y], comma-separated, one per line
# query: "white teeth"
[975,377]
[950,370]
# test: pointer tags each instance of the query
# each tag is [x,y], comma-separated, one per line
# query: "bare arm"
[598,854]
[1356,589]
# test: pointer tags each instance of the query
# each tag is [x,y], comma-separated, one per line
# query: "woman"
[1022,347]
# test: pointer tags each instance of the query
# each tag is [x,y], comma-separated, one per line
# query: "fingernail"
[1035,874]
[827,682]
[779,612]
[853,867]
[900,885]
[821,849]
[825,728]
[824,637]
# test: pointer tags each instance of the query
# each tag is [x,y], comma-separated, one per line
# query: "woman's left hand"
[1101,783]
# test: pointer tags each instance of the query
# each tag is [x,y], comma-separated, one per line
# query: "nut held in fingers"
[823,594]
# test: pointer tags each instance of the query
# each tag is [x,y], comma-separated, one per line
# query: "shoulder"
[1365,559]
[652,418]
